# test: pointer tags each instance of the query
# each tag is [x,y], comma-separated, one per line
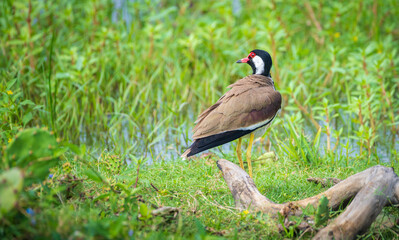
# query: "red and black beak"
[244,60]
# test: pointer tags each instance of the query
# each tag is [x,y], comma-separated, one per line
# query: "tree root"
[371,190]
[324,182]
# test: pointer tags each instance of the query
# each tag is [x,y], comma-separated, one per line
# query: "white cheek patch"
[259,65]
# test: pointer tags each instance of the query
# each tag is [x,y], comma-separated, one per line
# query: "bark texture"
[371,190]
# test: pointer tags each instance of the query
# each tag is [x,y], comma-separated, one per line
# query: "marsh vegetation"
[117,85]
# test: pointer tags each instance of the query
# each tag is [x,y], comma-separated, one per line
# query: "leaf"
[11,83]
[27,102]
[316,140]
[116,227]
[145,211]
[62,75]
[74,148]
[33,150]
[162,14]
[134,191]
[268,155]
[123,187]
[322,212]
[82,149]
[79,63]
[27,117]
[102,196]
[11,183]
[93,175]
[5,110]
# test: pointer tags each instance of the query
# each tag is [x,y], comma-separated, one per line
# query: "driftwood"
[371,190]
[166,211]
[324,182]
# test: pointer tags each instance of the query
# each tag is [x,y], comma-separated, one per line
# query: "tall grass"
[132,79]
[122,81]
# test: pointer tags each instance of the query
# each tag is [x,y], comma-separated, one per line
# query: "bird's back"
[250,102]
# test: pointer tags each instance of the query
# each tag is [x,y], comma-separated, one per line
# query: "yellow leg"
[251,140]
[238,150]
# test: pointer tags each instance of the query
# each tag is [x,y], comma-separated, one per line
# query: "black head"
[260,62]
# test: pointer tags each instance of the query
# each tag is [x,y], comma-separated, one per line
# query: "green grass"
[103,197]
[129,87]
[131,82]
[70,206]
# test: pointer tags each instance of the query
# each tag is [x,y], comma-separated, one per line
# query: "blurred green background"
[131,76]
[113,82]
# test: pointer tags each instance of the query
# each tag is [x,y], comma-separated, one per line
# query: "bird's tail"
[202,144]
[184,155]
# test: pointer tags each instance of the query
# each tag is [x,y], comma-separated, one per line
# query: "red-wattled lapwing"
[250,105]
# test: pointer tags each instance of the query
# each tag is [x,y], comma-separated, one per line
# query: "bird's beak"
[244,60]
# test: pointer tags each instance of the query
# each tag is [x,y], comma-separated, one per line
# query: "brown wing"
[250,100]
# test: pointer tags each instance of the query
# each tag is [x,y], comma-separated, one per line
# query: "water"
[124,138]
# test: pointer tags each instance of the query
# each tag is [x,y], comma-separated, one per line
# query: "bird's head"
[260,62]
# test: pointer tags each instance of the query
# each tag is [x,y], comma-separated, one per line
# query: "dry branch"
[371,190]
[165,211]
[325,182]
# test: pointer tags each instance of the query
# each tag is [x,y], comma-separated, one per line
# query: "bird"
[249,107]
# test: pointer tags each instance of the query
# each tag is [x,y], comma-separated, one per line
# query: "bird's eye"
[252,55]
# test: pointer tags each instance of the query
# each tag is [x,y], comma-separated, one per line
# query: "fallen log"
[371,190]
[324,182]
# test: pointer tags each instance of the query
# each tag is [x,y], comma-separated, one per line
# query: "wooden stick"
[324,181]
[372,189]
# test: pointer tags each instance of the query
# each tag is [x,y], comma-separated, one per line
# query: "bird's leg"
[238,150]
[251,140]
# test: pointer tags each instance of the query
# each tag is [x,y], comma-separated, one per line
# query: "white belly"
[259,132]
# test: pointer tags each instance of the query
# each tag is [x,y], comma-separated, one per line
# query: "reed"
[128,78]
